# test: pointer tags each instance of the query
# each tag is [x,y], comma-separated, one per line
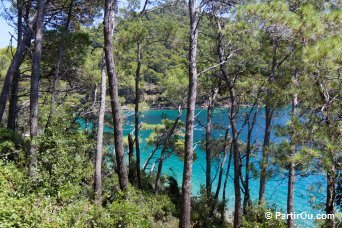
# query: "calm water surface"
[276,189]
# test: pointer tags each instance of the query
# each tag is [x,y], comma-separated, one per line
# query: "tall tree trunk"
[150,156]
[34,91]
[20,22]
[225,183]
[159,171]
[264,161]
[162,154]
[232,118]
[219,183]
[331,177]
[58,65]
[130,157]
[110,7]
[291,166]
[99,139]
[268,121]
[237,170]
[208,149]
[331,194]
[290,193]
[189,132]
[13,105]
[136,109]
[12,109]
[247,197]
[208,145]
[15,64]
[331,171]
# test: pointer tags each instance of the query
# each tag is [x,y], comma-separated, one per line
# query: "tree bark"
[136,110]
[331,194]
[225,184]
[130,157]
[331,177]
[331,181]
[208,140]
[264,161]
[290,193]
[268,122]
[232,118]
[110,7]
[291,166]
[13,105]
[162,154]
[57,66]
[20,22]
[247,197]
[189,131]
[150,156]
[12,109]
[208,149]
[99,141]
[130,148]
[331,170]
[237,170]
[34,90]
[219,183]
[15,64]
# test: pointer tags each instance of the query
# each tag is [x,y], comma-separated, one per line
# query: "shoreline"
[126,108]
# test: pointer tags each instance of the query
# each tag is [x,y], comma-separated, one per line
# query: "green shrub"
[204,211]
[12,146]
[255,217]
[60,195]
[63,165]
[22,207]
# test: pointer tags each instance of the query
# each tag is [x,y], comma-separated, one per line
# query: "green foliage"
[160,137]
[12,146]
[59,195]
[137,210]
[74,51]
[5,58]
[163,55]
[63,163]
[23,209]
[205,211]
[255,217]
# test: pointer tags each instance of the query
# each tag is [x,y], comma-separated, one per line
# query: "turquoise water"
[276,189]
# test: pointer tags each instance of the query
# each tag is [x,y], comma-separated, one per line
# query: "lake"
[276,188]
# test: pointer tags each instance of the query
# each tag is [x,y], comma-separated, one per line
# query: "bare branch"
[216,65]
